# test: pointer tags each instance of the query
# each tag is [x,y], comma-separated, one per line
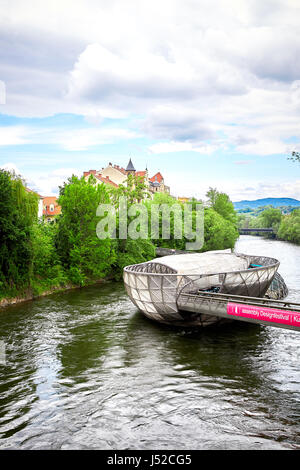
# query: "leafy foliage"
[219,233]
[47,269]
[38,256]
[220,222]
[18,210]
[289,228]
[286,226]
[134,190]
[81,252]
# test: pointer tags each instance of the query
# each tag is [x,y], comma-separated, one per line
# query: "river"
[85,370]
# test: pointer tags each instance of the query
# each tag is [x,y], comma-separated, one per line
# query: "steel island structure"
[201,289]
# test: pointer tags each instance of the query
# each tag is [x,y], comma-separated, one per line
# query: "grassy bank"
[28,294]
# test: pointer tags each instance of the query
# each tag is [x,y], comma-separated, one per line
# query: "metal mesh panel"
[153,293]
[277,289]
[159,292]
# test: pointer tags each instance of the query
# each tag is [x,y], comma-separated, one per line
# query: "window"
[51,207]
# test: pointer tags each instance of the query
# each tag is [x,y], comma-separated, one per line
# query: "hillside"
[270,201]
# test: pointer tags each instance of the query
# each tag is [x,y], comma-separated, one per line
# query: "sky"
[205,91]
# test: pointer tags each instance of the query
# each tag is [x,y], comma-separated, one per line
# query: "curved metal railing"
[154,287]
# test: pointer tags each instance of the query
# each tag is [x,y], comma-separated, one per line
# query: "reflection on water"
[86,370]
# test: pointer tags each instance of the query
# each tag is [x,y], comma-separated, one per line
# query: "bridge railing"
[262,230]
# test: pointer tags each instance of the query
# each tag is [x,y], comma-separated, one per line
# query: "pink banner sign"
[272,315]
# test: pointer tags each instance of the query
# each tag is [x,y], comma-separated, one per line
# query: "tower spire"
[130,166]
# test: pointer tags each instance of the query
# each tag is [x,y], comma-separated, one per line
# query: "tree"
[135,190]
[18,212]
[225,208]
[221,203]
[47,269]
[271,218]
[289,228]
[128,250]
[219,234]
[82,253]
[212,195]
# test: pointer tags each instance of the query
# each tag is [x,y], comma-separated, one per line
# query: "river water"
[85,370]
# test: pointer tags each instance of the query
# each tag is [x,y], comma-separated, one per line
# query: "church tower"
[130,170]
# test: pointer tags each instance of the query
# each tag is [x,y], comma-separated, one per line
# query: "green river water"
[85,370]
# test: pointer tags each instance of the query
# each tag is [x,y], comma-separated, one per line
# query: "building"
[50,208]
[157,184]
[183,199]
[114,175]
[47,206]
[40,202]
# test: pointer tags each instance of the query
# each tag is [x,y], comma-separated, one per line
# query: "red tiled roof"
[141,174]
[158,176]
[122,170]
[106,180]
[103,179]
[90,172]
[46,206]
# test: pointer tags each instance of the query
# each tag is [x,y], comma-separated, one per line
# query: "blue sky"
[207,92]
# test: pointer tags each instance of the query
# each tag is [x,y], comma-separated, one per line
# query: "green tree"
[47,269]
[225,208]
[271,218]
[134,189]
[166,206]
[221,203]
[268,218]
[18,211]
[289,228]
[128,250]
[82,253]
[219,234]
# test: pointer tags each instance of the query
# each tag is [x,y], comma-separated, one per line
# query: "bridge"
[245,231]
[263,311]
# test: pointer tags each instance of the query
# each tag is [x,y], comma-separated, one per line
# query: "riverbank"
[29,293]
[272,236]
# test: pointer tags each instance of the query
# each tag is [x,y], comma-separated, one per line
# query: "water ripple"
[85,370]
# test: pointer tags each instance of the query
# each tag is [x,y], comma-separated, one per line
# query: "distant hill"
[269,201]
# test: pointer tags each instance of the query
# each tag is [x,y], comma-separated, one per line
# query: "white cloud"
[171,147]
[44,182]
[47,183]
[237,190]
[2,92]
[258,190]
[82,139]
[195,76]
[13,135]
[11,167]
[70,140]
